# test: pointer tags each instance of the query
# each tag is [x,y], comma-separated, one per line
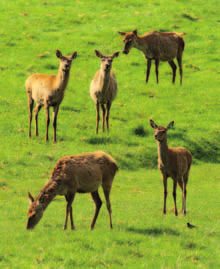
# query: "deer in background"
[82,173]
[48,90]
[103,88]
[172,162]
[158,46]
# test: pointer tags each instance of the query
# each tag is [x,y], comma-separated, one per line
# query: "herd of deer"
[84,173]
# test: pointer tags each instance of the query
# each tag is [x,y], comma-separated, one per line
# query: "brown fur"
[48,90]
[103,89]
[172,162]
[158,46]
[82,173]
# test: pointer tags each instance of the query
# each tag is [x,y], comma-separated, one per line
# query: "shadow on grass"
[99,140]
[72,109]
[154,231]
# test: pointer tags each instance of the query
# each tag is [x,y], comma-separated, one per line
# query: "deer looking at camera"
[172,162]
[82,173]
[48,90]
[158,46]
[103,88]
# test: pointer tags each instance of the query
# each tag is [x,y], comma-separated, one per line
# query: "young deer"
[82,173]
[172,162]
[48,90]
[103,88]
[158,46]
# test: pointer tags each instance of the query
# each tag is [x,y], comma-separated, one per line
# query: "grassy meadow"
[142,237]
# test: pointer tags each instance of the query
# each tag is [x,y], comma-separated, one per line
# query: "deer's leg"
[148,69]
[173,66]
[103,117]
[108,114]
[174,197]
[108,204]
[157,62]
[179,60]
[98,204]
[47,113]
[36,111]
[184,192]
[55,113]
[164,178]
[97,117]
[69,199]
[30,105]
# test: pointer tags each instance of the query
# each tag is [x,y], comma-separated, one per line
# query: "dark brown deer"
[172,162]
[157,46]
[103,88]
[82,173]
[48,90]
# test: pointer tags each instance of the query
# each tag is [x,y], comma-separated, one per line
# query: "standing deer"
[158,46]
[172,162]
[82,173]
[48,90]
[103,88]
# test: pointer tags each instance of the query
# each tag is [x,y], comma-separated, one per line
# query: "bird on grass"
[190,226]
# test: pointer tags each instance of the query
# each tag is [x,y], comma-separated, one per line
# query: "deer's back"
[164,44]
[103,90]
[84,172]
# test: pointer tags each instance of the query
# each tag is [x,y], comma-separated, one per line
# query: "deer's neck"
[140,44]
[62,79]
[162,148]
[48,193]
[105,79]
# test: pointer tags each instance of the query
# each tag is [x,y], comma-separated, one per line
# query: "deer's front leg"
[97,118]
[164,178]
[46,107]
[148,69]
[55,113]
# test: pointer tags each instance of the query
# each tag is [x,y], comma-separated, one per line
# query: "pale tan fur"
[48,90]
[158,46]
[103,89]
[82,173]
[172,162]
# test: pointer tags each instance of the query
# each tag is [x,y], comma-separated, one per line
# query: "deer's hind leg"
[69,199]
[173,66]
[106,190]
[148,69]
[108,114]
[55,113]
[97,117]
[179,60]
[98,203]
[30,106]
[103,117]
[36,111]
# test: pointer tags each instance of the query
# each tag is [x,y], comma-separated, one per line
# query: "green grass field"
[142,237]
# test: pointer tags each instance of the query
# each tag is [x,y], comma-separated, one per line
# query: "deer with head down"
[172,162]
[157,46]
[103,88]
[82,173]
[48,90]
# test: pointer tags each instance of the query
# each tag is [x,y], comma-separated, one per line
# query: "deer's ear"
[135,32]
[170,125]
[122,33]
[98,54]
[31,198]
[74,55]
[153,124]
[58,53]
[115,54]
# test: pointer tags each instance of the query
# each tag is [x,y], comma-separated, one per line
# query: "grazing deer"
[103,88]
[82,173]
[172,162]
[158,46]
[48,90]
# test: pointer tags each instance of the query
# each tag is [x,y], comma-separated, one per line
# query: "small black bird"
[190,226]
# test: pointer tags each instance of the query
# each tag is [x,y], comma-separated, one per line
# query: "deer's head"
[129,40]
[160,132]
[65,61]
[106,61]
[35,212]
